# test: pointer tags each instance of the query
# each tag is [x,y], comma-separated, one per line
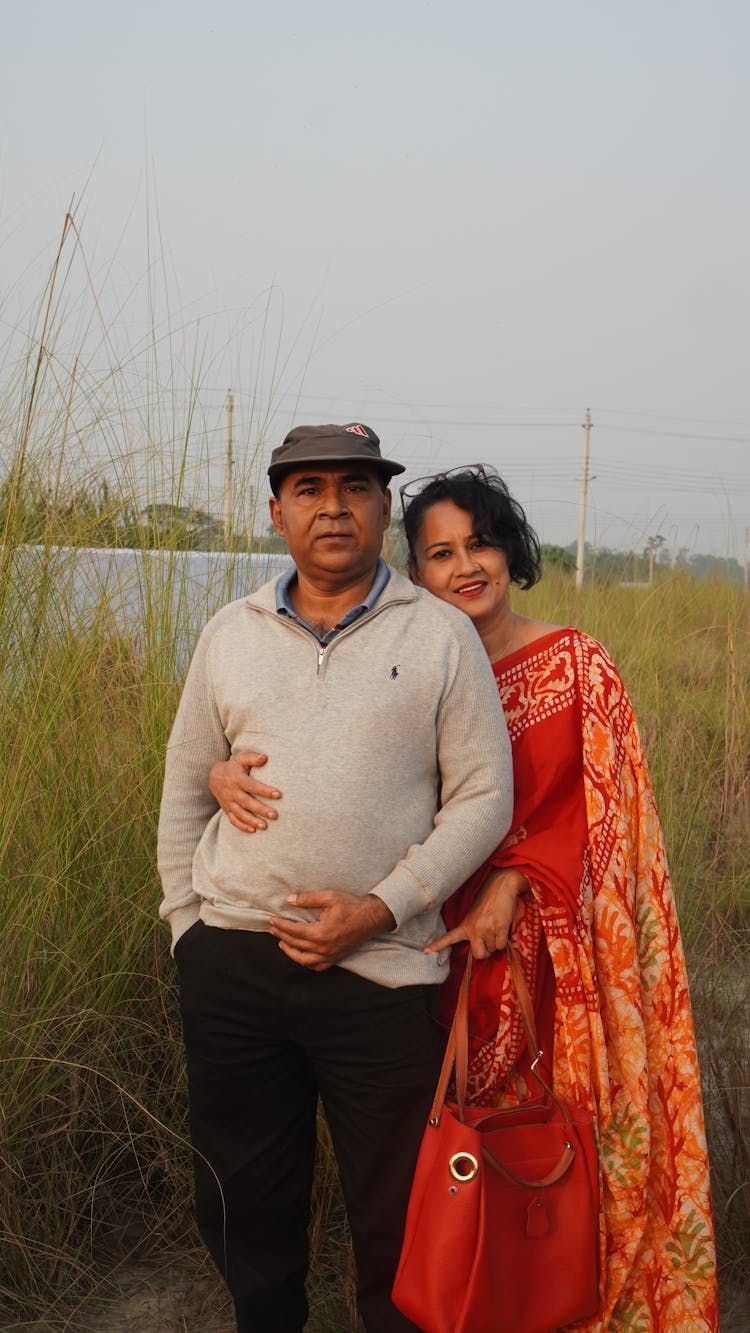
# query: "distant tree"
[653,546]
[711,566]
[556,557]
[632,567]
[181,526]
[270,543]
[395,547]
[85,515]
[604,563]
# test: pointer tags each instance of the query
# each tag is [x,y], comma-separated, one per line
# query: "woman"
[583,881]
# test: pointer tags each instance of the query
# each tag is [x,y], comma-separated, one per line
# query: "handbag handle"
[457,1054]
[457,1045]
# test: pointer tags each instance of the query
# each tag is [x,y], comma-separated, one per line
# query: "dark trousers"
[263,1037]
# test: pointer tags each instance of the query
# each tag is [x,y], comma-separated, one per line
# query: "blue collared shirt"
[284,606]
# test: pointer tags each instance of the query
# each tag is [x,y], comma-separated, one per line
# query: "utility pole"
[228,474]
[584,493]
[745,558]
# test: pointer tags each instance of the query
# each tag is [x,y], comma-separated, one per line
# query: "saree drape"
[600,944]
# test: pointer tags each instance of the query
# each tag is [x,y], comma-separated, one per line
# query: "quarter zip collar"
[397,590]
[284,603]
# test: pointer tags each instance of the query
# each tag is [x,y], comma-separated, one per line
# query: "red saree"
[600,944]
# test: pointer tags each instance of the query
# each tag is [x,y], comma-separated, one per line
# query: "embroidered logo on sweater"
[394,672]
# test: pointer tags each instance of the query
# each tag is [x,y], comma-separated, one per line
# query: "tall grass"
[95,1170]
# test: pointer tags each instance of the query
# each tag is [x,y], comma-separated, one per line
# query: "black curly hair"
[497,518]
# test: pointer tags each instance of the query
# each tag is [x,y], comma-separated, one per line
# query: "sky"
[465,224]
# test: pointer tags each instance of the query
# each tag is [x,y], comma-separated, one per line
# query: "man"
[300,953]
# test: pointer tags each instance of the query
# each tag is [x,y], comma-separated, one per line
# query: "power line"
[678,435]
[419,415]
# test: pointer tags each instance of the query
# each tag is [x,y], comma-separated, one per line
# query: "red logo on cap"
[357,430]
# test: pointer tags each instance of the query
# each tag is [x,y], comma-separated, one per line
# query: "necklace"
[505,643]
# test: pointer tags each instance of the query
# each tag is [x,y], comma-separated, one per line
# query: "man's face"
[332,517]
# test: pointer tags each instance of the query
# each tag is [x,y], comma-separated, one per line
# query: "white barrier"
[139,593]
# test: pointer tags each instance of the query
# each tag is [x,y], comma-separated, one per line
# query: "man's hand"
[345,921]
[240,795]
[488,922]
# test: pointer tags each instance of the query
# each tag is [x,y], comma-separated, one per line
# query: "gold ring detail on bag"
[463,1166]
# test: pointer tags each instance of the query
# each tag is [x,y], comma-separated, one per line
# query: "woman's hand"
[488,922]
[240,795]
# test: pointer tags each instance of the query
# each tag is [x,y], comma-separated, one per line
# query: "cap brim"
[386,465]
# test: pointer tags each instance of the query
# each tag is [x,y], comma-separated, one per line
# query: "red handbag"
[502,1230]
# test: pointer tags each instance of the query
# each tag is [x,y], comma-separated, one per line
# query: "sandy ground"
[171,1298]
[167,1300]
[183,1299]
[147,1299]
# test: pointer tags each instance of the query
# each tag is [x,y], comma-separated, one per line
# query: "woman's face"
[458,567]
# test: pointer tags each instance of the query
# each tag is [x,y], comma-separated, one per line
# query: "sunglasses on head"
[413,488]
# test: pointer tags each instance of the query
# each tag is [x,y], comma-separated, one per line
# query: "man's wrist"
[383,918]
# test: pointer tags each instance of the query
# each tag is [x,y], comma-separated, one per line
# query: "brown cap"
[352,443]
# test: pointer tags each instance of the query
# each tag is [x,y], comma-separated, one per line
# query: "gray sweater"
[390,749]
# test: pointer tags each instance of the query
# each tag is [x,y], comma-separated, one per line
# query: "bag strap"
[518,978]
[457,1046]
[564,1162]
[456,1053]
[529,1022]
